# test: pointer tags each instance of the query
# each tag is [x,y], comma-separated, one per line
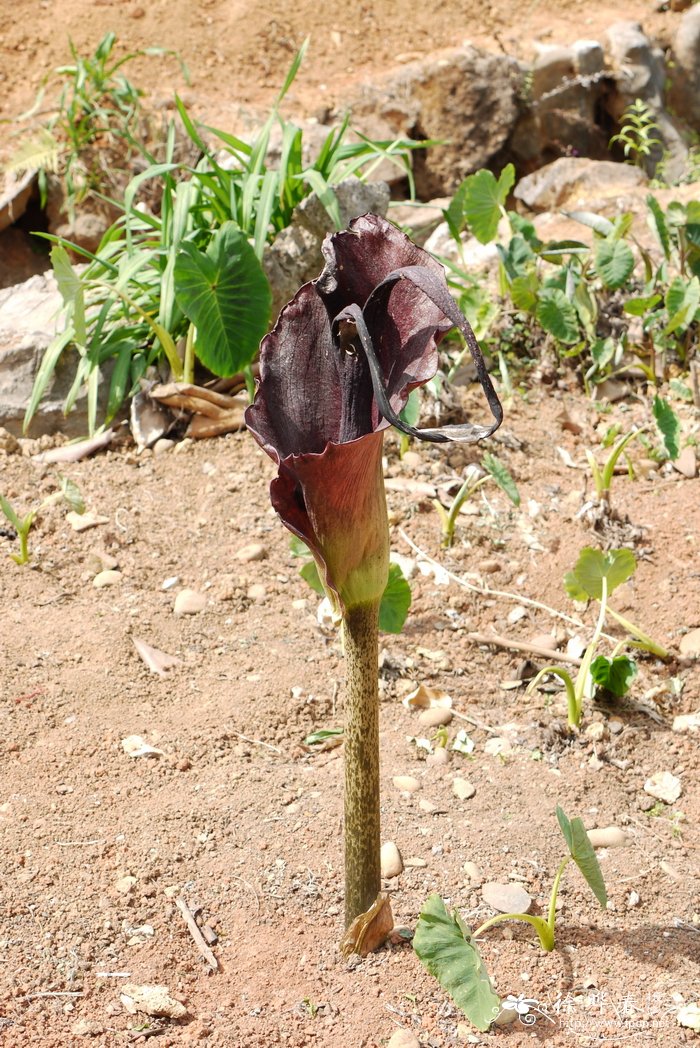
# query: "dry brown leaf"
[369,930]
[425,698]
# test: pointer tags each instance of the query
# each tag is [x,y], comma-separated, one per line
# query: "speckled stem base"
[362,840]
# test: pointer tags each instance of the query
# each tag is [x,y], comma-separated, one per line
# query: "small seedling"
[638,134]
[594,577]
[603,476]
[68,492]
[448,948]
[475,478]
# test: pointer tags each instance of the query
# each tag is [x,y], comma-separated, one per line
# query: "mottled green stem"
[362,840]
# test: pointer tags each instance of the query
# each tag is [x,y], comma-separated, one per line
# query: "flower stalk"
[362,830]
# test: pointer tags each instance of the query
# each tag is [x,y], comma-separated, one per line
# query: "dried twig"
[255,742]
[196,934]
[485,591]
[53,993]
[519,645]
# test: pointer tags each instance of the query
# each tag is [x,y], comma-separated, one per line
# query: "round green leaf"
[445,947]
[614,262]
[615,675]
[557,315]
[226,295]
[593,566]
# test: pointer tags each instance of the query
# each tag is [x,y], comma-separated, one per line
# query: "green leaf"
[637,307]
[309,573]
[501,475]
[523,291]
[682,301]
[9,512]
[615,675]
[592,566]
[598,223]
[226,295]
[557,315]
[669,426]
[410,413]
[444,946]
[396,600]
[484,199]
[71,494]
[583,854]
[321,735]
[71,288]
[658,222]
[298,548]
[614,262]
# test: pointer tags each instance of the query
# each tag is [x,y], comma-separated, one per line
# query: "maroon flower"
[334,373]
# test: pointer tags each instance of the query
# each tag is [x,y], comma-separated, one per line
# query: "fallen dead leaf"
[157,661]
[425,698]
[369,930]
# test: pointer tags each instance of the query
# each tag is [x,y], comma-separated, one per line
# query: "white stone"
[189,602]
[508,898]
[390,860]
[109,577]
[664,786]
[463,789]
[406,783]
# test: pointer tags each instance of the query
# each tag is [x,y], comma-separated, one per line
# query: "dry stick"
[485,591]
[518,645]
[194,930]
[255,742]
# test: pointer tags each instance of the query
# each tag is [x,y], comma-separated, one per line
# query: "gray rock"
[589,57]
[684,94]
[576,180]
[465,97]
[295,255]
[638,67]
[28,323]
[14,197]
[551,66]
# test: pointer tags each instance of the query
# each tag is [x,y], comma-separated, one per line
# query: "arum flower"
[334,374]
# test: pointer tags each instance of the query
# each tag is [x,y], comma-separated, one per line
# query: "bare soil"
[236,815]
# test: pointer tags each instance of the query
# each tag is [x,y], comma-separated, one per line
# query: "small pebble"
[406,783]
[403,1039]
[189,602]
[686,722]
[615,725]
[435,717]
[106,578]
[429,808]
[98,560]
[508,898]
[490,565]
[664,786]
[690,643]
[474,874]
[438,758]
[496,745]
[251,552]
[390,860]
[463,789]
[608,837]
[256,592]
[162,445]
[687,463]
[415,862]
[170,583]
[413,459]
[544,640]
[595,731]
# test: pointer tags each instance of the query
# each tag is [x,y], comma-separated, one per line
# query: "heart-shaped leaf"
[585,582]
[614,262]
[225,293]
[583,854]
[444,946]
[483,199]
[557,315]
[615,675]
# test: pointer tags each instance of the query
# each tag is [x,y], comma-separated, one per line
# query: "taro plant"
[185,281]
[603,475]
[334,373]
[449,950]
[68,492]
[595,576]
[475,478]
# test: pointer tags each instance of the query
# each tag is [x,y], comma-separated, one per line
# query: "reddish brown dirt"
[236,815]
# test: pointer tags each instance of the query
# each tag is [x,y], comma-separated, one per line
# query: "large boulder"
[28,323]
[577,181]
[295,254]
[685,70]
[466,98]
